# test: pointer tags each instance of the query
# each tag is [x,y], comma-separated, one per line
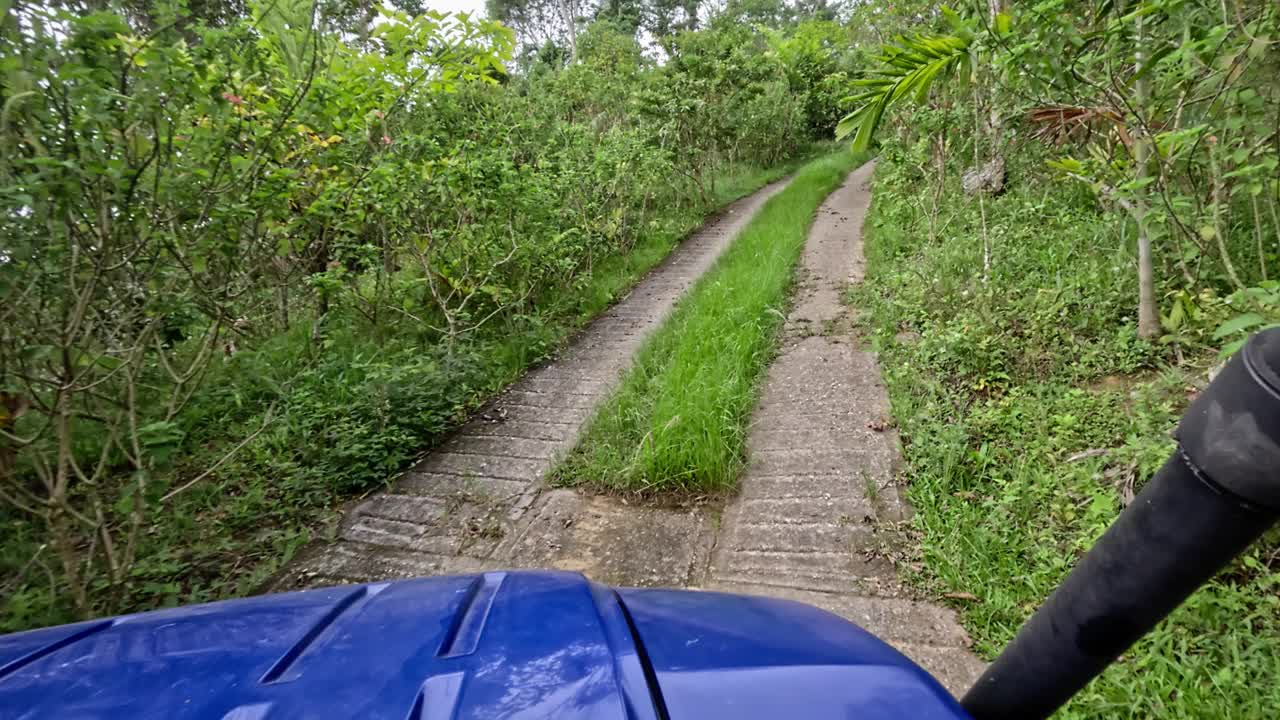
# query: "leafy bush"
[1031,413]
[251,268]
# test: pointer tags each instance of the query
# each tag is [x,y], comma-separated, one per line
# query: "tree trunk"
[569,15]
[995,127]
[366,25]
[64,543]
[1148,317]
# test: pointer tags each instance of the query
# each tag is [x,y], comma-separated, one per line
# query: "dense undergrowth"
[1030,413]
[324,426]
[679,420]
[252,263]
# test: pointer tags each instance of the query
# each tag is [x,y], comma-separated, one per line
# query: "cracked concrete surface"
[813,518]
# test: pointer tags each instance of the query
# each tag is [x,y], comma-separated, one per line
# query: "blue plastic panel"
[499,645]
[527,645]
[734,656]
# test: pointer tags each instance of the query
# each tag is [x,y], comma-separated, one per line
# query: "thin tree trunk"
[995,128]
[977,164]
[366,24]
[986,241]
[1275,218]
[58,515]
[1257,236]
[282,294]
[63,540]
[1148,316]
[1218,233]
[567,14]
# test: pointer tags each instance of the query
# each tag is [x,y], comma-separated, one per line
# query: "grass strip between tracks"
[678,422]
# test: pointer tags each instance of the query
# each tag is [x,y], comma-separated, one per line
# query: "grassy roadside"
[344,421]
[678,421]
[1029,413]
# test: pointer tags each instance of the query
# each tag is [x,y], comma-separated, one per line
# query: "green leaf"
[957,23]
[1237,324]
[1175,318]
[1067,165]
[1004,23]
[160,433]
[1230,348]
[911,66]
[1151,62]
[1258,47]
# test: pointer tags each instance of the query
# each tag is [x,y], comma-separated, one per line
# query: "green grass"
[347,418]
[678,421]
[611,278]
[1001,383]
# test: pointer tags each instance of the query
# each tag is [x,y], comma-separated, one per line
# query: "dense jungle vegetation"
[256,256]
[1043,325]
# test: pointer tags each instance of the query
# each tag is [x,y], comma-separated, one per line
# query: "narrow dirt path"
[479,501]
[808,523]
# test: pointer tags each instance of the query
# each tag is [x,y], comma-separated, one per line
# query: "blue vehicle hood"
[526,645]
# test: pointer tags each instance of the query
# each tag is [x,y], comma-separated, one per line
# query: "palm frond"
[908,69]
[1060,123]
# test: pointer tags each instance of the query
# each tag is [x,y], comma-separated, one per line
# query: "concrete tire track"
[819,490]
